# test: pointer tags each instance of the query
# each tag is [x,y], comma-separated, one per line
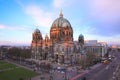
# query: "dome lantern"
[61,14]
[37,30]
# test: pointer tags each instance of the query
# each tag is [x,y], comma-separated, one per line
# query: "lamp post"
[66,73]
[51,73]
[83,57]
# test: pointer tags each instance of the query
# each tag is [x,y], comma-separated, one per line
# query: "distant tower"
[81,40]
[36,44]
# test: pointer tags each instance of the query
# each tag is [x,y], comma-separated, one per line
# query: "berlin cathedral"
[60,46]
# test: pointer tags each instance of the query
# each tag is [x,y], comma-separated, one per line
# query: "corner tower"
[81,40]
[36,44]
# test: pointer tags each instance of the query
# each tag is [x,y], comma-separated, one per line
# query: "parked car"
[106,62]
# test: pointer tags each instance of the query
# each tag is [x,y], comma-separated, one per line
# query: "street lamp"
[65,75]
[65,69]
[51,73]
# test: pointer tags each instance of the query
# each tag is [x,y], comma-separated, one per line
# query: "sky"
[95,19]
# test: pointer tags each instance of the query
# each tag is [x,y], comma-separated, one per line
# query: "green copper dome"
[61,22]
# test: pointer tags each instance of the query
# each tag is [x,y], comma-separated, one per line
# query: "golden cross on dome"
[61,14]
[36,26]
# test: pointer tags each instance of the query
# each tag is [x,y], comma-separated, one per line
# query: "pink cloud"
[14,43]
[2,26]
[107,11]
[9,27]
[64,3]
[41,17]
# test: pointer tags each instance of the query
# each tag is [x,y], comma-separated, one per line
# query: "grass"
[6,66]
[16,73]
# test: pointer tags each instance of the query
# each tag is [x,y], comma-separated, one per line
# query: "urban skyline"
[95,19]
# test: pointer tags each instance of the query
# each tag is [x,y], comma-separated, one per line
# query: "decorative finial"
[61,15]
[46,36]
[36,26]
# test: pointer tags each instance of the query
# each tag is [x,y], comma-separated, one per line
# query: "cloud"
[2,26]
[104,16]
[88,29]
[8,27]
[41,17]
[105,10]
[65,3]
[59,3]
[14,43]
[15,35]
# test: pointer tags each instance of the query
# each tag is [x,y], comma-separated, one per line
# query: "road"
[104,72]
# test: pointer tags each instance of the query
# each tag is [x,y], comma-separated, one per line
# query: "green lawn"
[16,73]
[6,66]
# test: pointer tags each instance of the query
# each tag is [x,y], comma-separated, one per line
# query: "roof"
[61,22]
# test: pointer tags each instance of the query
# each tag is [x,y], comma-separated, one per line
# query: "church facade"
[60,46]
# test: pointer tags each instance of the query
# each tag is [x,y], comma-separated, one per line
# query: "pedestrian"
[63,77]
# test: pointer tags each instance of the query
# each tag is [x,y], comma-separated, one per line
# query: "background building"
[98,48]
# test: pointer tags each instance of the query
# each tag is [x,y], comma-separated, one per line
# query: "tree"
[90,57]
[17,53]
